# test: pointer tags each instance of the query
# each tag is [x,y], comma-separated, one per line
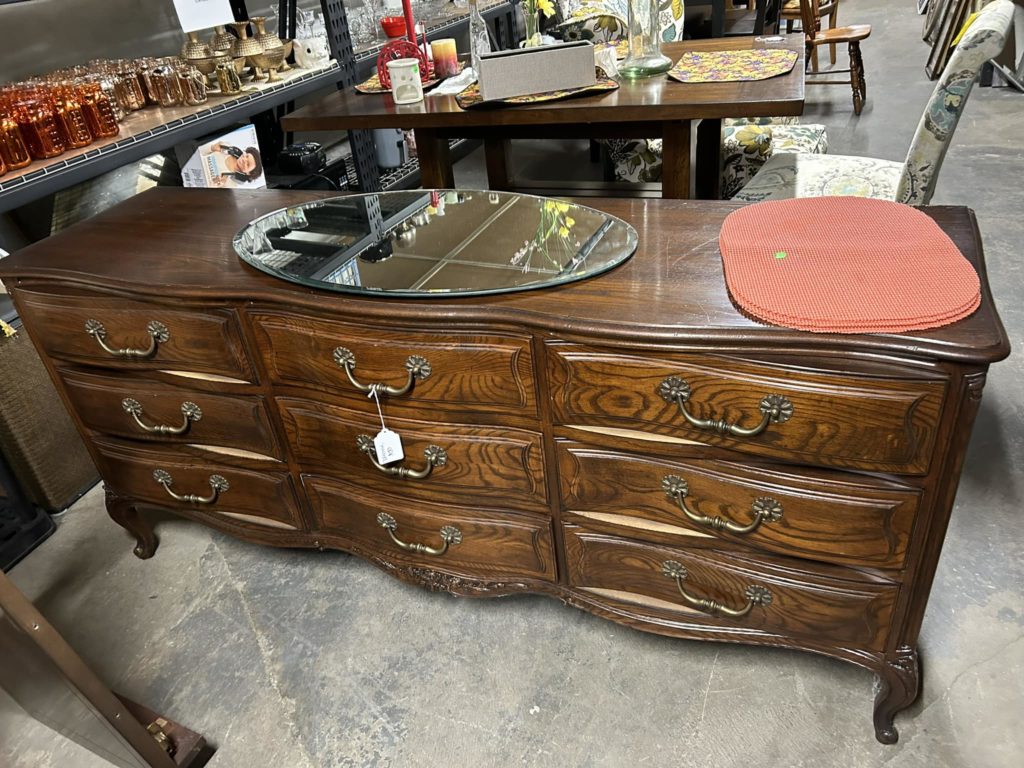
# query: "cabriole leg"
[898,685]
[123,512]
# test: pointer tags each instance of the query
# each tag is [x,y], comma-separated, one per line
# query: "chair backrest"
[983,40]
[810,18]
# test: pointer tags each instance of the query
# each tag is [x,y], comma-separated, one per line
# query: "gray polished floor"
[296,659]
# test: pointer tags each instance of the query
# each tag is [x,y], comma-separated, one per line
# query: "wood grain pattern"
[831,518]
[495,545]
[468,370]
[483,462]
[127,470]
[804,606]
[203,340]
[671,293]
[524,386]
[232,421]
[841,421]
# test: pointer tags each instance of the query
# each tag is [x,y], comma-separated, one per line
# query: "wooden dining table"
[649,108]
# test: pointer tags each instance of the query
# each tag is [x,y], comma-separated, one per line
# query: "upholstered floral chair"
[913,180]
[604,21]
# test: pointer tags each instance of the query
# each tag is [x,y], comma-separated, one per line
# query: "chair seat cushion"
[788,175]
[746,148]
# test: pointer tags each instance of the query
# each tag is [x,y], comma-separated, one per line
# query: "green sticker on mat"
[780,254]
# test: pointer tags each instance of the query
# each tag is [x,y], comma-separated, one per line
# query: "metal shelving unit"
[145,133]
[356,66]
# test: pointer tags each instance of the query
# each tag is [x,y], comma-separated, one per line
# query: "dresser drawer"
[256,497]
[137,335]
[446,370]
[771,597]
[831,517]
[483,544]
[142,409]
[465,462]
[865,422]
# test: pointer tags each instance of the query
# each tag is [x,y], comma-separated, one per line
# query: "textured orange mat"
[845,265]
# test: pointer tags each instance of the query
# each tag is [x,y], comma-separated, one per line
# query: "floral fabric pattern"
[732,66]
[604,21]
[912,181]
[983,40]
[746,146]
[787,175]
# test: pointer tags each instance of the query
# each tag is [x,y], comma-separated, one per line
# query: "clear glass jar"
[645,58]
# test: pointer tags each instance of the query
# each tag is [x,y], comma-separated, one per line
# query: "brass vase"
[266,40]
[244,45]
[222,40]
[194,48]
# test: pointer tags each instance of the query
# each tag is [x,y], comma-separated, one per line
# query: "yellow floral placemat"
[732,66]
[470,97]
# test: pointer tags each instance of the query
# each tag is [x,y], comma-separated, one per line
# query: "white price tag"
[194,15]
[388,446]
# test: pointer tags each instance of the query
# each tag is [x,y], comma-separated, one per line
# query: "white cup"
[406,87]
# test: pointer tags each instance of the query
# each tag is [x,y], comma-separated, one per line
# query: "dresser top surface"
[173,242]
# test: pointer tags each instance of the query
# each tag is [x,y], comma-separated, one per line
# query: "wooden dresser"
[630,444]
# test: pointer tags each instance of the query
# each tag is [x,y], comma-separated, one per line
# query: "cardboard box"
[520,72]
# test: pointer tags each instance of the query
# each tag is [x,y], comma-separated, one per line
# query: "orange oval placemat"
[845,265]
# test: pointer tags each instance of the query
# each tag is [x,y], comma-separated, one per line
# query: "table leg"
[435,160]
[675,160]
[717,18]
[709,163]
[496,155]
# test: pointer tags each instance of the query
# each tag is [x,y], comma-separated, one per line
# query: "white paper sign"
[194,15]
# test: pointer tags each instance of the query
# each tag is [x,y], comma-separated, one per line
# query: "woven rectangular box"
[504,74]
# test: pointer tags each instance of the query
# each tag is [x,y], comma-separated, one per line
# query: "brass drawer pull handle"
[764,508]
[157,331]
[217,483]
[435,456]
[775,409]
[449,535]
[190,412]
[417,367]
[755,594]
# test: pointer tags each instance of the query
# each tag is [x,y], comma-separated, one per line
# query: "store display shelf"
[152,130]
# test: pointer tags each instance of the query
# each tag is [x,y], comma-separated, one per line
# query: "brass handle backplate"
[764,508]
[190,412]
[435,456]
[416,368]
[218,483]
[775,409]
[755,594]
[449,535]
[157,331]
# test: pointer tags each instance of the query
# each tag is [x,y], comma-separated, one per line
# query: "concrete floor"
[297,659]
